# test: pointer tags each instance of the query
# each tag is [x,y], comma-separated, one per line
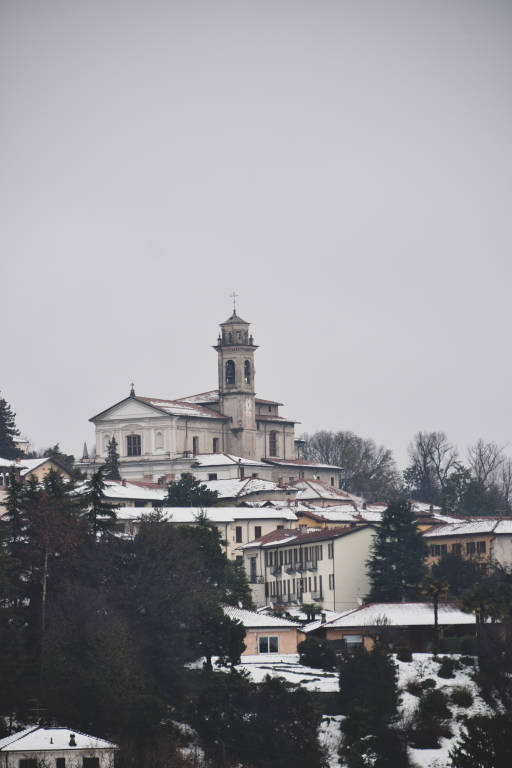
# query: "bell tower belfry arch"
[235,351]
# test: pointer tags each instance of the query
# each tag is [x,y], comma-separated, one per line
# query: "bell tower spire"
[235,351]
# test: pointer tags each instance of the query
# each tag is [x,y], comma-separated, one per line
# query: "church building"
[157,437]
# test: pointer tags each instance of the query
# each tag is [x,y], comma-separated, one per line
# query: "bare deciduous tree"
[432,458]
[368,469]
[485,461]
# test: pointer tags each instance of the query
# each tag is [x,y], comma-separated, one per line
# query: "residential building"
[58,747]
[485,540]
[265,634]
[327,567]
[409,624]
[236,525]
[25,469]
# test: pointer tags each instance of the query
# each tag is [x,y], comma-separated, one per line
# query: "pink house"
[265,634]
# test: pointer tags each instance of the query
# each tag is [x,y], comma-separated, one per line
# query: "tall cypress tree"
[396,566]
[8,431]
[111,468]
[101,514]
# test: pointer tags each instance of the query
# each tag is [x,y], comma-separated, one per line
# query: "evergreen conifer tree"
[369,699]
[189,492]
[396,566]
[101,514]
[111,468]
[8,431]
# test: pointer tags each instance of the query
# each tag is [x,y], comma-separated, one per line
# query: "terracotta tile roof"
[180,408]
[285,536]
[270,417]
[259,400]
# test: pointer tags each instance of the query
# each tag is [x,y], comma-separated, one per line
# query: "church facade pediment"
[130,408]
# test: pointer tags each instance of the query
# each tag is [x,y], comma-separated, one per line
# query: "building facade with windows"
[487,541]
[265,634]
[153,433]
[327,567]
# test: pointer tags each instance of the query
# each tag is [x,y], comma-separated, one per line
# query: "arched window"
[272,443]
[159,440]
[230,372]
[247,372]
[106,441]
[230,338]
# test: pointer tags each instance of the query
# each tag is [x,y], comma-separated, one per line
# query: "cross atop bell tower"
[235,351]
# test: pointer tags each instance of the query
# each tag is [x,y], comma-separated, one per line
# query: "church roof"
[235,319]
[179,408]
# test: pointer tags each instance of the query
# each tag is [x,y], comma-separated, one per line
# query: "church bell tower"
[235,350]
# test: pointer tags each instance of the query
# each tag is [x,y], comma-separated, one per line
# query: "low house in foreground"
[38,747]
[398,624]
[265,634]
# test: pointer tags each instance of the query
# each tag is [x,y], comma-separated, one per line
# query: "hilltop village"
[195,531]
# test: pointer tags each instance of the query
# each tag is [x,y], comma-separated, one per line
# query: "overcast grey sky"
[345,166]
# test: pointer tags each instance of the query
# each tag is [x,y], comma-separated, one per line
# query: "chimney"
[72,742]
[323,617]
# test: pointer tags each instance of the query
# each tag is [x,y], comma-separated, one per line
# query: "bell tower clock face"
[248,404]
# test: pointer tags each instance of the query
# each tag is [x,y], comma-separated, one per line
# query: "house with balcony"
[327,567]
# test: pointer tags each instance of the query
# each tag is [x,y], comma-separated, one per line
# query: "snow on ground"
[422,667]
[287,666]
[329,736]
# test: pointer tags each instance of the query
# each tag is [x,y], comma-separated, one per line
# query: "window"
[1,479]
[247,372]
[106,441]
[330,550]
[257,531]
[272,443]
[332,480]
[159,440]
[435,550]
[212,476]
[29,763]
[481,547]
[195,445]
[270,409]
[238,534]
[91,762]
[230,338]
[331,581]
[457,549]
[60,762]
[239,559]
[470,547]
[230,372]
[133,445]
[215,446]
[269,644]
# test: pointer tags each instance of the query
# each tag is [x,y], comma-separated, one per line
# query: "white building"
[38,747]
[236,525]
[326,567]
[157,437]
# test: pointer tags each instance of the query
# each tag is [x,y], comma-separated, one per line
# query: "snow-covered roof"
[212,396]
[285,536]
[402,615]
[180,408]
[117,489]
[25,465]
[315,489]
[473,527]
[301,462]
[214,514]
[236,487]
[223,459]
[253,620]
[37,739]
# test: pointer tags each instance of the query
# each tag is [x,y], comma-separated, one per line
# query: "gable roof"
[253,620]
[286,536]
[38,739]
[402,615]
[494,525]
[168,407]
